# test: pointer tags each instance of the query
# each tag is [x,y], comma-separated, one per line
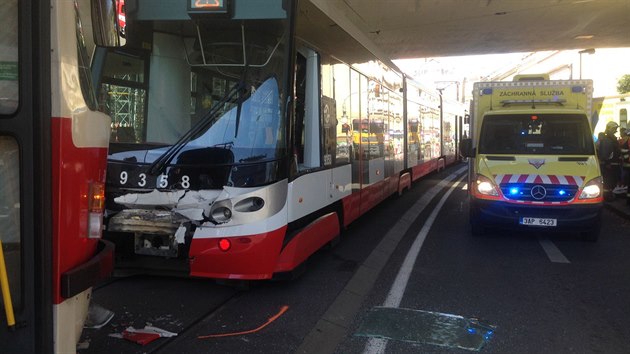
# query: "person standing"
[609,158]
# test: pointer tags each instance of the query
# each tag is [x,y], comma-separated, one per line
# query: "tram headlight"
[241,206]
[249,204]
[221,213]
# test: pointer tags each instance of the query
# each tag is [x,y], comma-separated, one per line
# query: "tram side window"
[329,129]
[10,214]
[430,133]
[413,138]
[9,83]
[448,133]
[436,135]
[339,84]
[378,111]
[393,135]
[300,99]
[123,97]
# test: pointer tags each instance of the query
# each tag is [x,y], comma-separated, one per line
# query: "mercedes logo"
[539,192]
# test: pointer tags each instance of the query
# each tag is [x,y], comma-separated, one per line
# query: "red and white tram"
[248,134]
[53,158]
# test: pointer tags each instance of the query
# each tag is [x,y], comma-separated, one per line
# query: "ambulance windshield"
[545,134]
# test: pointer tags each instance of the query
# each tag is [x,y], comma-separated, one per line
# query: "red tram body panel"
[72,167]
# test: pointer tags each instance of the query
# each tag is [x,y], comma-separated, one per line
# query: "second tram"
[53,158]
[246,135]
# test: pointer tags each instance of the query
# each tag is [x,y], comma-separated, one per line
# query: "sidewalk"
[618,206]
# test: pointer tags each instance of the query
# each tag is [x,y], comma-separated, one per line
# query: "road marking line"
[397,290]
[553,252]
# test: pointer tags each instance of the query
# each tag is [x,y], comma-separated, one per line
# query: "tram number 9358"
[160,182]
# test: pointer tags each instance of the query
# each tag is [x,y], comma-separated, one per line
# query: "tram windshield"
[186,84]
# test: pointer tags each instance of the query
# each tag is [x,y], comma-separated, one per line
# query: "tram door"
[25,182]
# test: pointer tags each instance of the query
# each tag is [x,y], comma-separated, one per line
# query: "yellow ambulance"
[532,160]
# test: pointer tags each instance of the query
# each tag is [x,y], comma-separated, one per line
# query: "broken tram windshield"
[157,98]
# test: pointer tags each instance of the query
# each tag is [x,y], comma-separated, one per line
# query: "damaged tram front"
[199,138]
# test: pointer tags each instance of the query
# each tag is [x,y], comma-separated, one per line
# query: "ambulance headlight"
[486,187]
[593,189]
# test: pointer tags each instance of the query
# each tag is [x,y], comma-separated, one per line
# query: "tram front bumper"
[251,257]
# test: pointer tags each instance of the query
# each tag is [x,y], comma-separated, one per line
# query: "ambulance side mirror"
[466,148]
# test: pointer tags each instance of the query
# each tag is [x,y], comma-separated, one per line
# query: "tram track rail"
[166,346]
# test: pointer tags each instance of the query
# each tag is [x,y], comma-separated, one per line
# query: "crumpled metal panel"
[146,221]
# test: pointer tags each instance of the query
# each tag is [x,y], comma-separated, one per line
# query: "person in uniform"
[609,158]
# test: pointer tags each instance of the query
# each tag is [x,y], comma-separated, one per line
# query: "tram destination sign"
[208,7]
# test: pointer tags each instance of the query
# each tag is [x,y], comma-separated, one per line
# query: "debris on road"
[143,336]
[283,309]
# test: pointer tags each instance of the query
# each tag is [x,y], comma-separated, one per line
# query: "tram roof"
[432,28]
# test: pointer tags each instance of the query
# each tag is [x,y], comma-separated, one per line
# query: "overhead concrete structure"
[434,28]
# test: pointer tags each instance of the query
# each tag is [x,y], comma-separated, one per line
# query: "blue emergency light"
[578,89]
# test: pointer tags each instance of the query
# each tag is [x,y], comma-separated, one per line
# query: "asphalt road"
[541,293]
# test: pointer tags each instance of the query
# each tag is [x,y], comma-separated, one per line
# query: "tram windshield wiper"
[206,121]
[253,158]
[241,98]
[227,146]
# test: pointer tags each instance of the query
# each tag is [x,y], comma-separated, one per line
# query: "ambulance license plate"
[537,221]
